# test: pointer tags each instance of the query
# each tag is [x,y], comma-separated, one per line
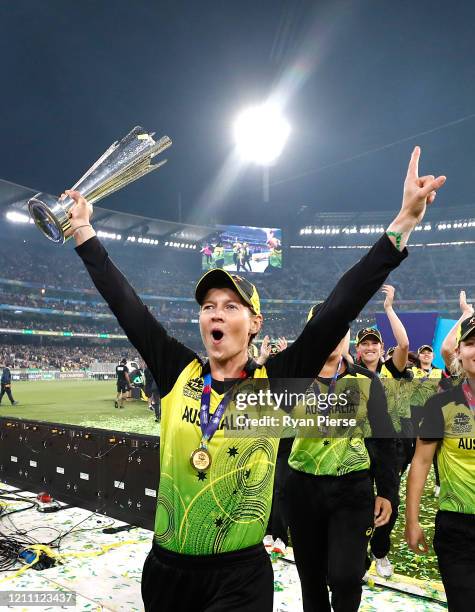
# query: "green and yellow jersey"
[366,403]
[447,417]
[426,384]
[398,391]
[225,508]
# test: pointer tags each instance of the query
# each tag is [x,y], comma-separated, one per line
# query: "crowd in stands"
[41,275]
[65,357]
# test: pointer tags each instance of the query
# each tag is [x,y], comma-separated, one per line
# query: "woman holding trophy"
[215,493]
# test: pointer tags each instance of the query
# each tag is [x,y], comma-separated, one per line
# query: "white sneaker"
[279,547]
[436,491]
[384,567]
[268,542]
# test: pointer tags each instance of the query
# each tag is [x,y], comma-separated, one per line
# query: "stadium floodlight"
[17,217]
[260,133]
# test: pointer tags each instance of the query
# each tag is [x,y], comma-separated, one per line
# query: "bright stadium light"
[260,133]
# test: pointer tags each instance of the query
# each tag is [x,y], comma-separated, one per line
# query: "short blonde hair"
[456,369]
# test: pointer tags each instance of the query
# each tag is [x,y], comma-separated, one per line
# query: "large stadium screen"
[238,248]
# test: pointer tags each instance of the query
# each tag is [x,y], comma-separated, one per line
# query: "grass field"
[91,404]
[88,403]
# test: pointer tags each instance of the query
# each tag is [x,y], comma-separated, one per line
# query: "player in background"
[123,382]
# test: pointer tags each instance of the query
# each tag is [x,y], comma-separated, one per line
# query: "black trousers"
[278,526]
[331,520]
[436,470]
[407,444]
[381,541]
[454,545]
[6,389]
[239,581]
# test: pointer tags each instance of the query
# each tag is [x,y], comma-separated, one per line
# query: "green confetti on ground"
[405,561]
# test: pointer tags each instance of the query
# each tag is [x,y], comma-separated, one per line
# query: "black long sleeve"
[165,356]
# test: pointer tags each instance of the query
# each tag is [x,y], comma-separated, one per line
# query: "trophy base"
[49,216]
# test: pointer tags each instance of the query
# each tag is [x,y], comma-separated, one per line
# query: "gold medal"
[200,459]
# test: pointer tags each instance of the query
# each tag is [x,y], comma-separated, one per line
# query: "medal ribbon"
[427,373]
[209,426]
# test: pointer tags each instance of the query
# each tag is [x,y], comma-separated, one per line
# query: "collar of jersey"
[249,368]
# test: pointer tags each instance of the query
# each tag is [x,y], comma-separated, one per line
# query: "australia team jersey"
[225,508]
[398,386]
[448,418]
[334,456]
[425,385]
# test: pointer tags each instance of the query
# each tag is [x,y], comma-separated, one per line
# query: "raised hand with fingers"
[389,291]
[281,344]
[465,309]
[265,351]
[419,190]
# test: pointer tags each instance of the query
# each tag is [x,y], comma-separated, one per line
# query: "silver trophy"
[124,161]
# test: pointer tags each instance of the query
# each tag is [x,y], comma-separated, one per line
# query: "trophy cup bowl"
[124,161]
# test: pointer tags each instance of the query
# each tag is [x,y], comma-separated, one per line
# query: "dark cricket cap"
[425,347]
[368,331]
[220,278]
[466,328]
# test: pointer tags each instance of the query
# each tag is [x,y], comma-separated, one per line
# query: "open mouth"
[217,335]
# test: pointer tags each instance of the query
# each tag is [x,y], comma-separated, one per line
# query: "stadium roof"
[15,197]
[360,217]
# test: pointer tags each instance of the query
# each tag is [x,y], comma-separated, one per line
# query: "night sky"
[358,76]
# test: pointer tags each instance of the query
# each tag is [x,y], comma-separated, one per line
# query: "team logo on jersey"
[461,423]
[193,388]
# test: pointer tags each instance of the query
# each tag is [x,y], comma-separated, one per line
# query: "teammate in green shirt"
[427,381]
[369,344]
[448,430]
[427,378]
[330,477]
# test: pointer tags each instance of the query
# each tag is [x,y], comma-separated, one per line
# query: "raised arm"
[165,356]
[402,349]
[419,192]
[450,341]
[324,331]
